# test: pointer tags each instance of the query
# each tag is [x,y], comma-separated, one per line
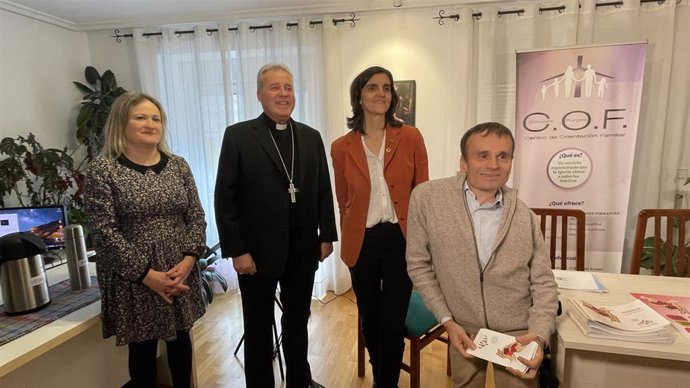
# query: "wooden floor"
[332,347]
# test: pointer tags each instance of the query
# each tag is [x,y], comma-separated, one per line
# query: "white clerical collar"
[281,127]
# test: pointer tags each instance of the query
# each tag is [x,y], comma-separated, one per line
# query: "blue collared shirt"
[486,219]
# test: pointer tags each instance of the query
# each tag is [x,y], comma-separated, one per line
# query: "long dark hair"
[356,122]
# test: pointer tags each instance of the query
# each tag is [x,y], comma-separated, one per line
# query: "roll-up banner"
[576,124]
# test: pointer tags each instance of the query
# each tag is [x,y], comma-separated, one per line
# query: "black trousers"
[258,293]
[383,290]
[142,362]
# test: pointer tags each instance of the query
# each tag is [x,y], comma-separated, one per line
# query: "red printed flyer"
[672,307]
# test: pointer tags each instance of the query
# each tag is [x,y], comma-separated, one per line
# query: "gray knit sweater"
[515,294]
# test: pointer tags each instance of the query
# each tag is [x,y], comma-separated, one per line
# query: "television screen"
[46,222]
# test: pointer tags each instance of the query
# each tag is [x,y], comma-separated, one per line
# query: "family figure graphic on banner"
[275,215]
[568,78]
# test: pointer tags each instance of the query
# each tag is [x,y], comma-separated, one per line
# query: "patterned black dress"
[140,218]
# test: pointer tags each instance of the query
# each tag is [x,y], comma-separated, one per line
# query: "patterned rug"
[63,301]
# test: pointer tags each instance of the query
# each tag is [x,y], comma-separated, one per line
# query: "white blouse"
[380,204]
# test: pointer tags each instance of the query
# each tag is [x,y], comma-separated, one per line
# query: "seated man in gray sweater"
[477,256]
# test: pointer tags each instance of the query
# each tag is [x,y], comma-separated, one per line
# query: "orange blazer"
[405,166]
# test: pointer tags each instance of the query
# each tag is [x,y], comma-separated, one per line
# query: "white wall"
[106,54]
[38,63]
[411,45]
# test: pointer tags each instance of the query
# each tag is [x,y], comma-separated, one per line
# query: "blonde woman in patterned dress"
[148,227]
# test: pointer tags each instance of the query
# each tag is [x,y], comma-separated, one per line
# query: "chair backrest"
[673,242]
[562,217]
[419,319]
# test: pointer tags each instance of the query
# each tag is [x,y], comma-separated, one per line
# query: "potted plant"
[36,176]
[95,106]
[647,257]
[209,275]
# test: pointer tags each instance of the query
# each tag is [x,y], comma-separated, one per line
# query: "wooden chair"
[422,329]
[676,224]
[562,217]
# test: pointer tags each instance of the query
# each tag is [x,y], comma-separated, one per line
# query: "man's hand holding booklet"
[502,349]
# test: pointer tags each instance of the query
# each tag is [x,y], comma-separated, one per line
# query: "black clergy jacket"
[252,202]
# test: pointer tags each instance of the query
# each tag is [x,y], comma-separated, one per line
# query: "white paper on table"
[577,280]
[502,349]
[630,317]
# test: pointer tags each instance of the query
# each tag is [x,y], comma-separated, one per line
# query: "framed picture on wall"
[407,101]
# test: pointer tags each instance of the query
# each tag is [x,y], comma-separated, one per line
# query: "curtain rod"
[521,11]
[353,21]
[478,15]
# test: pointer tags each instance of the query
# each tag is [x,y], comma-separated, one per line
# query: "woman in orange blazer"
[376,165]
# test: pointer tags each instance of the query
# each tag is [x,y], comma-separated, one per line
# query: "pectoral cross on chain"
[293,190]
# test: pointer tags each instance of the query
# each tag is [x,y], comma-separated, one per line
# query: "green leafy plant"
[647,257]
[208,273]
[101,92]
[36,176]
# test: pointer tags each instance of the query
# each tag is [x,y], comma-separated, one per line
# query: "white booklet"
[633,321]
[578,280]
[502,349]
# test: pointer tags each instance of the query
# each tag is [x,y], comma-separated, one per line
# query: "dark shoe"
[314,384]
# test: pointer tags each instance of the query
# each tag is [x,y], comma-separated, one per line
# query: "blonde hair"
[115,124]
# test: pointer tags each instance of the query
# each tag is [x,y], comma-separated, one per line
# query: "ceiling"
[85,15]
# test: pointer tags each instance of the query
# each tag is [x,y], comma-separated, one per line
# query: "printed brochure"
[634,321]
[502,349]
[676,309]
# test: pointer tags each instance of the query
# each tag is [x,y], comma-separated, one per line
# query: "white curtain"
[207,81]
[472,76]
[335,273]
[459,65]
[663,143]
[663,138]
